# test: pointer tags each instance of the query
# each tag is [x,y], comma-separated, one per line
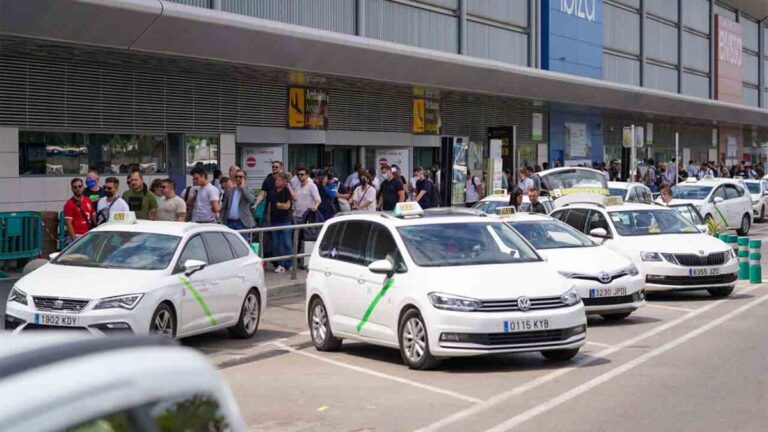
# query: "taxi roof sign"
[505,211]
[408,209]
[128,217]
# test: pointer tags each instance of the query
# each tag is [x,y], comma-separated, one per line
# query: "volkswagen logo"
[58,304]
[604,277]
[701,252]
[524,303]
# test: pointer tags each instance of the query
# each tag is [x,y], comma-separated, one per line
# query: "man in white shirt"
[173,208]
[206,205]
[305,197]
[111,201]
[525,183]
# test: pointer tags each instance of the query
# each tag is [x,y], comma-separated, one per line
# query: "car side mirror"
[718,200]
[704,229]
[53,255]
[599,233]
[193,266]
[382,267]
[765,193]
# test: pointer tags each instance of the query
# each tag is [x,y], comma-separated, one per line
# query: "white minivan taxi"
[438,283]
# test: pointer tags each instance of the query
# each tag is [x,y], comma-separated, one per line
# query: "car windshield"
[617,192]
[651,222]
[689,213]
[551,234]
[121,250]
[563,182]
[489,207]
[691,192]
[458,244]
[754,187]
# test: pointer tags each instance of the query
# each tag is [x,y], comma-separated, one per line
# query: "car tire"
[414,342]
[720,292]
[320,328]
[560,354]
[163,321]
[250,316]
[762,214]
[615,316]
[746,223]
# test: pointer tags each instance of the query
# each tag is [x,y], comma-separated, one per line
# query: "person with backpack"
[79,214]
[474,189]
[111,201]
[649,178]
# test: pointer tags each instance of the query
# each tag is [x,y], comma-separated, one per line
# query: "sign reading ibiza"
[584,9]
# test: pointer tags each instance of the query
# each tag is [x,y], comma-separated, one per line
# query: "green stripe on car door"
[199,298]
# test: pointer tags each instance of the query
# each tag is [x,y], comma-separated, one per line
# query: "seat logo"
[604,277]
[58,304]
[524,303]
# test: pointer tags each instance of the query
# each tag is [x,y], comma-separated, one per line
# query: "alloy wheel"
[319,323]
[251,313]
[414,339]
[163,324]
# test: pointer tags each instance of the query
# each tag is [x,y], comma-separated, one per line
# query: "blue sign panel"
[572,37]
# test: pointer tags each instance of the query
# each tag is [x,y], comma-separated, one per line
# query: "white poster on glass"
[542,150]
[393,156]
[257,163]
[577,140]
[538,127]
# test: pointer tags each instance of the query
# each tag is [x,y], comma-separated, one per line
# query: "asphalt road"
[685,362]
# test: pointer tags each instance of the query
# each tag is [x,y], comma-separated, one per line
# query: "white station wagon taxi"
[438,283]
[609,283]
[140,277]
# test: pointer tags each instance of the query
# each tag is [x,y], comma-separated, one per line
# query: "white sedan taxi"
[724,201]
[608,283]
[631,192]
[672,253]
[489,204]
[758,189]
[173,278]
[438,283]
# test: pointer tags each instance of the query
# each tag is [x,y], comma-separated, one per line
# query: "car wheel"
[720,292]
[615,316]
[163,321]
[414,342]
[762,214]
[250,315]
[746,222]
[320,328]
[561,354]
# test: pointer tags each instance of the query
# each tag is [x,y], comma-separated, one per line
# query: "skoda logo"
[58,304]
[604,277]
[524,303]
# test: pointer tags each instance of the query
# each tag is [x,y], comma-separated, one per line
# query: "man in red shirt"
[79,213]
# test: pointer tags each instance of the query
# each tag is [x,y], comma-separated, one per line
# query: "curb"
[284,291]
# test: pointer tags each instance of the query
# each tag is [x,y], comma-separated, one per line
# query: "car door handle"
[361,281]
[241,275]
[327,273]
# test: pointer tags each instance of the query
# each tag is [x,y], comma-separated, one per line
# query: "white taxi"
[489,204]
[608,283]
[174,278]
[438,283]
[758,189]
[724,201]
[630,192]
[672,253]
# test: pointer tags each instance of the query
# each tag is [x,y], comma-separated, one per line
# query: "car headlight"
[566,274]
[732,253]
[18,296]
[127,302]
[650,256]
[570,298]
[755,201]
[452,302]
[632,270]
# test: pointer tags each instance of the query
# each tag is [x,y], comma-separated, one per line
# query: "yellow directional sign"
[419,115]
[296,107]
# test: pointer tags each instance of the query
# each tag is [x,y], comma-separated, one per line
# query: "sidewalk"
[280,284]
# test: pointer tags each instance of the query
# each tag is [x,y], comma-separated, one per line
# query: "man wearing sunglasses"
[79,214]
[269,183]
[111,201]
[236,208]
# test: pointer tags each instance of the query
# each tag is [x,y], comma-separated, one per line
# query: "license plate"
[526,325]
[607,292]
[703,272]
[56,320]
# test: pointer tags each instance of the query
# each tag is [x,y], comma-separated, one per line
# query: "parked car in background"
[724,201]
[631,192]
[758,189]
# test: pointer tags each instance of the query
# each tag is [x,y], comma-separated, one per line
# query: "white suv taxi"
[140,277]
[724,201]
[758,189]
[672,253]
[608,283]
[438,283]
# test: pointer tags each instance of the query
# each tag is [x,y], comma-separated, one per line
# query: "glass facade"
[202,151]
[73,153]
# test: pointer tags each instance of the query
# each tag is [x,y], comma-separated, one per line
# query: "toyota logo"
[604,277]
[524,303]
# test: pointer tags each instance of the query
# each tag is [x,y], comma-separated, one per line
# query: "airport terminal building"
[478,85]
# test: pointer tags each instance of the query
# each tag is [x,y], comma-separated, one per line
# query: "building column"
[216,4]
[226,151]
[642,43]
[463,26]
[10,193]
[680,59]
[360,18]
[712,45]
[761,102]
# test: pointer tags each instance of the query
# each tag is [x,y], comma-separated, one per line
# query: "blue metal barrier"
[21,235]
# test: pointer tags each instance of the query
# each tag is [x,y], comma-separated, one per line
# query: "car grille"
[606,301]
[691,280]
[692,260]
[54,304]
[510,305]
[597,279]
[40,327]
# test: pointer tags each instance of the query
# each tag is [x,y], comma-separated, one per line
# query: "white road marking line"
[585,387]
[674,308]
[584,361]
[598,344]
[383,375]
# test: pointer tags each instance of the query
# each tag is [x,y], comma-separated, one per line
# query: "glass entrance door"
[340,159]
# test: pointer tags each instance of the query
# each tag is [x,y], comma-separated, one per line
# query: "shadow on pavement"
[598,321]
[221,339]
